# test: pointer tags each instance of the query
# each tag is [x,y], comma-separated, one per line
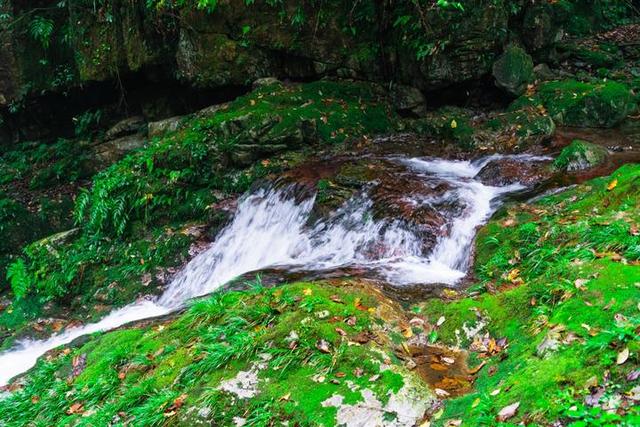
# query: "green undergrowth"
[561,284]
[170,174]
[130,216]
[173,373]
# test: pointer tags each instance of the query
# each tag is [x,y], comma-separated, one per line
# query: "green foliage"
[18,278]
[41,29]
[175,176]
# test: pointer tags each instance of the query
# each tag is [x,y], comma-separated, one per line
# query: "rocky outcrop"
[513,70]
[237,43]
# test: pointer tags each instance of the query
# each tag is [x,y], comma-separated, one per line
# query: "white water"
[270,229]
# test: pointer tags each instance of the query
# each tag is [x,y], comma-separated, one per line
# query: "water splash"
[271,229]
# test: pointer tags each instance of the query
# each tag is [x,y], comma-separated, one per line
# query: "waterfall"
[271,229]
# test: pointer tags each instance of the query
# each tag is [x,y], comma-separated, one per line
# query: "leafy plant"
[41,29]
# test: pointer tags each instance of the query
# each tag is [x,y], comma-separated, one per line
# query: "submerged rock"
[513,70]
[580,155]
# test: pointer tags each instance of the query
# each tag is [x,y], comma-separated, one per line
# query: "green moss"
[574,103]
[513,70]
[580,155]
[554,270]
[137,374]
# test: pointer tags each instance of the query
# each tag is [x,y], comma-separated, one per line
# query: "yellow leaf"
[307,291]
[454,124]
[513,275]
[612,185]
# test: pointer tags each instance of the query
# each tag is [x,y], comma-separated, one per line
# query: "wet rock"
[580,155]
[125,127]
[165,126]
[408,101]
[508,171]
[513,70]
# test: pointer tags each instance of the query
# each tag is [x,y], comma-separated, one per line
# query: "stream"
[272,228]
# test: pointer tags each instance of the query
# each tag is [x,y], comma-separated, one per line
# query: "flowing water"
[272,228]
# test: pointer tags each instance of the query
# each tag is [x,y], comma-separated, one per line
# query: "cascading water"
[270,229]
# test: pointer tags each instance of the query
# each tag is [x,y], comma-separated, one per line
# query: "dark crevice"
[145,93]
[482,94]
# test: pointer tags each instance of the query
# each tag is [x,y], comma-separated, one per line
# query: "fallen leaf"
[508,412]
[495,392]
[440,321]
[442,393]
[323,346]
[286,397]
[623,356]
[633,375]
[76,408]
[476,402]
[453,423]
[307,291]
[613,184]
[341,332]
[454,124]
[513,275]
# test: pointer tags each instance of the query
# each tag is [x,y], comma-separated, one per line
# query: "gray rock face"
[513,70]
[109,152]
[163,127]
[265,81]
[408,100]
[125,127]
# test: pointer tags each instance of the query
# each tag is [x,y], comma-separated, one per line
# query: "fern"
[18,277]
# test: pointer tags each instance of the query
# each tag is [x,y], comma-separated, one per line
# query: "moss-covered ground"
[558,293]
[304,342]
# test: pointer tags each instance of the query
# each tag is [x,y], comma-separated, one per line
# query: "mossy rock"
[580,155]
[572,103]
[513,70]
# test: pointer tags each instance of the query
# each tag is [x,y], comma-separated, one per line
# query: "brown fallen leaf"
[508,412]
[341,332]
[76,408]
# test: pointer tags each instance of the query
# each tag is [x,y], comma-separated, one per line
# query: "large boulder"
[513,70]
[408,100]
[580,155]
[572,103]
